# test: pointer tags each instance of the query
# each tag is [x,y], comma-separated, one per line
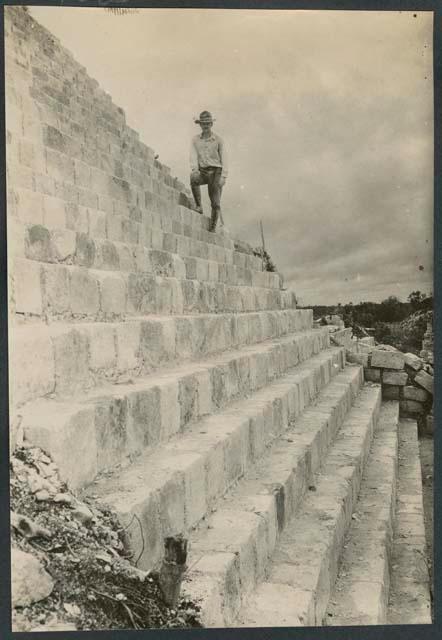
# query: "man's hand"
[195,174]
[222,181]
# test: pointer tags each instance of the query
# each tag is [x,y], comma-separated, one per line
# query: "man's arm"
[193,157]
[223,157]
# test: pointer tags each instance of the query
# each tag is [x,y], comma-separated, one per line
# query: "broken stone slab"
[413,361]
[387,359]
[424,380]
[30,581]
[398,378]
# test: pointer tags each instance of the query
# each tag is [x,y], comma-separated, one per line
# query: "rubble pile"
[68,562]
[404,376]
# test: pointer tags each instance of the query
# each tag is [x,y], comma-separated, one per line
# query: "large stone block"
[387,359]
[71,354]
[102,347]
[425,380]
[54,212]
[31,358]
[113,294]
[372,375]
[398,378]
[27,287]
[411,407]
[59,433]
[390,392]
[84,292]
[413,393]
[413,361]
[29,206]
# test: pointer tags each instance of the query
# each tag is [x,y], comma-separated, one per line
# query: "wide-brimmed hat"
[204,117]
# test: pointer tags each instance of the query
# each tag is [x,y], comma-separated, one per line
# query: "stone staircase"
[173,380]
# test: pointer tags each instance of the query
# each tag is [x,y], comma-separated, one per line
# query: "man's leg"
[215,197]
[197,179]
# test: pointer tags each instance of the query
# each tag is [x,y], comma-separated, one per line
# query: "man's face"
[206,126]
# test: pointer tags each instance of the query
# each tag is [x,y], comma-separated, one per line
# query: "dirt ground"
[426,450]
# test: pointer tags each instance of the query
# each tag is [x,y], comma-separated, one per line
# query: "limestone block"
[30,582]
[411,407]
[56,289]
[59,433]
[31,358]
[413,361]
[387,359]
[372,375]
[144,424]
[29,206]
[85,250]
[399,378]
[169,410]
[77,218]
[102,347]
[27,286]
[193,469]
[107,255]
[82,173]
[413,393]
[424,380]
[128,346]
[63,244]
[54,215]
[113,294]
[358,358]
[87,198]
[157,238]
[59,166]
[111,427]
[84,292]
[71,355]
[390,392]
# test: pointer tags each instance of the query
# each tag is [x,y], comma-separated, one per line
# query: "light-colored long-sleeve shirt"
[208,152]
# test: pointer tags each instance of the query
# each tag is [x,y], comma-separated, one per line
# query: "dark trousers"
[210,176]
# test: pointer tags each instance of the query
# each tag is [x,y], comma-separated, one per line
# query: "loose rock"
[30,582]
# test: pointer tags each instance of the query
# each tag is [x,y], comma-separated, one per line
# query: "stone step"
[69,292]
[230,551]
[304,565]
[171,488]
[410,597]
[110,424]
[360,594]
[123,223]
[63,246]
[47,358]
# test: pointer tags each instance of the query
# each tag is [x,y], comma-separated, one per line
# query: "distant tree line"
[401,324]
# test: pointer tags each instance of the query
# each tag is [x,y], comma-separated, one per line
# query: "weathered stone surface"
[387,359]
[398,378]
[30,582]
[390,392]
[372,375]
[424,380]
[413,361]
[411,407]
[413,393]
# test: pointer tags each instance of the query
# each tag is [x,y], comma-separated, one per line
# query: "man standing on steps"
[208,164]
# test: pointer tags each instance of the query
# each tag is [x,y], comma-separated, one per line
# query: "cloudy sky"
[327,116]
